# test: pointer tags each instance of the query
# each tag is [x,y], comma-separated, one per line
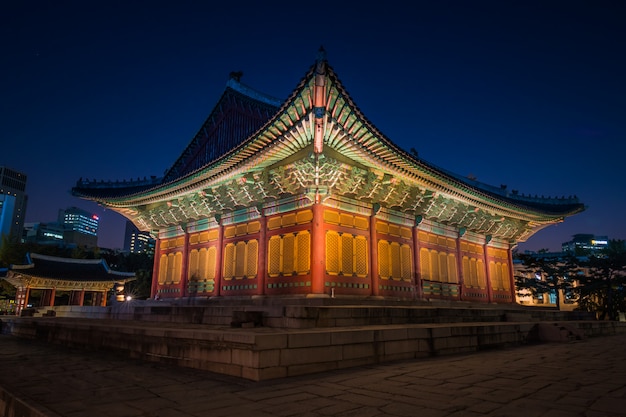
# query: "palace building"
[306,197]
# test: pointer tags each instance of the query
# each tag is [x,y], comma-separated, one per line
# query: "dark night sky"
[531,94]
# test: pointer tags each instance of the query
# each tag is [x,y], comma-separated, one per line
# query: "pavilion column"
[459,264]
[52,295]
[511,276]
[81,297]
[184,279]
[155,268]
[318,269]
[488,272]
[26,297]
[374,254]
[102,299]
[261,260]
[219,262]
[419,291]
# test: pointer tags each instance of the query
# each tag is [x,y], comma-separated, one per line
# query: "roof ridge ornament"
[319,104]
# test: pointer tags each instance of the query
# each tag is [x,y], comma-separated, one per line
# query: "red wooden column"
[419,291]
[81,297]
[488,271]
[318,270]
[219,262]
[511,276]
[101,296]
[374,272]
[155,267]
[261,260]
[184,279]
[459,263]
[52,295]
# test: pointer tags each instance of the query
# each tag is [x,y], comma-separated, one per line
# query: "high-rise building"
[13,200]
[136,241]
[80,226]
[582,244]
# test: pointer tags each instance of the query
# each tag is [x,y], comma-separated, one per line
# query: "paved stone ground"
[585,378]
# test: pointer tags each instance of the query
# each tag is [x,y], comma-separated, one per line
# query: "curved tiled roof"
[352,135]
[68,269]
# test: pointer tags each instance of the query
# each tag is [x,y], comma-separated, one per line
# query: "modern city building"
[80,226]
[585,244]
[74,227]
[136,241]
[44,233]
[306,197]
[13,202]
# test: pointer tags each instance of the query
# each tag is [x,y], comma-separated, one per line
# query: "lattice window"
[453,276]
[465,267]
[170,268]
[252,253]
[192,273]
[163,269]
[303,243]
[406,266]
[332,253]
[434,266]
[394,253]
[482,279]
[240,260]
[211,262]
[273,255]
[347,254]
[289,245]
[474,272]
[202,264]
[229,259]
[506,279]
[178,267]
[443,267]
[360,256]
[384,267]
[499,275]
[289,254]
[425,264]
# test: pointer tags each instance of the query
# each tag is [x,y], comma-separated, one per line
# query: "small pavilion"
[50,280]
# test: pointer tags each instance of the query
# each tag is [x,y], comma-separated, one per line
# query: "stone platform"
[265,339]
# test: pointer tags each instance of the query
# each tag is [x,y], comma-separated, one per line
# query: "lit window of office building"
[582,244]
[79,220]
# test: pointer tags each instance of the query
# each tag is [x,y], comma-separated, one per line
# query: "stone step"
[262,353]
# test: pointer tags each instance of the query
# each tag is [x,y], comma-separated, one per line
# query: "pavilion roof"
[287,133]
[68,269]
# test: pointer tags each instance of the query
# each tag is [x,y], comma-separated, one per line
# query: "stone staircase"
[260,339]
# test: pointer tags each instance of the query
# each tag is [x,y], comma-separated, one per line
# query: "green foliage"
[602,286]
[11,252]
[543,274]
[139,263]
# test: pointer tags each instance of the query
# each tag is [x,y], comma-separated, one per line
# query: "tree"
[602,286]
[140,264]
[11,252]
[545,273]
